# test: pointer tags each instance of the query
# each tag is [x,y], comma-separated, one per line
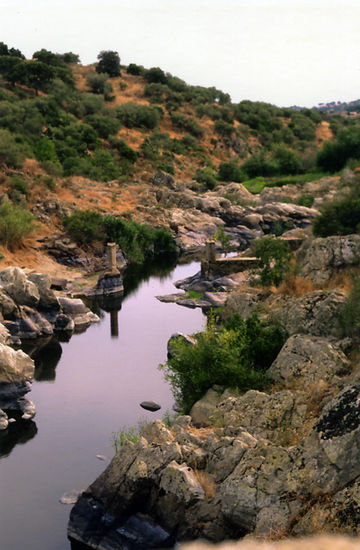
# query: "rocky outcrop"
[16,373]
[316,313]
[30,309]
[307,360]
[322,258]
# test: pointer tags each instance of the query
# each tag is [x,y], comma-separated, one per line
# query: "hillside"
[73,138]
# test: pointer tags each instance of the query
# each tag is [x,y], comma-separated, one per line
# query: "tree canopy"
[109,62]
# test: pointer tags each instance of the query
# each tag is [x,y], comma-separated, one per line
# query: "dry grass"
[318,394]
[295,286]
[207,483]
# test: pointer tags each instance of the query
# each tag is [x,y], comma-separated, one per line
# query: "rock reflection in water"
[46,355]
[17,433]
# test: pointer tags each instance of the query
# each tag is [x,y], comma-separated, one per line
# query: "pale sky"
[285,52]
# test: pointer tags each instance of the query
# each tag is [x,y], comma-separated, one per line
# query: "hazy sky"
[282,51]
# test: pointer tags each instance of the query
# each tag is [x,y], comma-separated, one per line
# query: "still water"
[85,390]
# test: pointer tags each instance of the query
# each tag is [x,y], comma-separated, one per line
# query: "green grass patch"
[194,295]
[256,185]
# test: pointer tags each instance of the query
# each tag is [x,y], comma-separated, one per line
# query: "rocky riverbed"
[281,462]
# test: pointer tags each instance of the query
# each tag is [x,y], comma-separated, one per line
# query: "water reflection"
[46,354]
[17,433]
[160,268]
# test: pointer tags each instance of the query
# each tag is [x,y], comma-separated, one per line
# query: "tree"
[38,75]
[274,259]
[109,62]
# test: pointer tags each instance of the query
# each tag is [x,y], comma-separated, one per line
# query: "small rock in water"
[150,406]
[101,457]
[70,497]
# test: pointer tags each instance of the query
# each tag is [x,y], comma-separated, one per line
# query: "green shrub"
[85,226]
[51,168]
[349,321]
[19,188]
[274,259]
[104,125]
[134,69]
[99,84]
[335,154]
[12,151]
[133,115]
[230,171]
[15,224]
[123,149]
[187,123]
[166,167]
[206,176]
[156,75]
[303,127]
[306,200]
[234,356]
[136,240]
[338,217]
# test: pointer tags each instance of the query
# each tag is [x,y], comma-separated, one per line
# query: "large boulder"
[48,300]
[15,366]
[322,258]
[316,313]
[307,360]
[24,292]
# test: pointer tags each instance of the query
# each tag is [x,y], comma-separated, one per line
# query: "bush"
[104,125]
[349,321]
[15,224]
[137,241]
[187,123]
[234,356]
[123,149]
[99,84]
[133,115]
[156,75]
[229,171]
[134,69]
[12,151]
[338,217]
[85,226]
[335,154]
[206,176]
[274,259]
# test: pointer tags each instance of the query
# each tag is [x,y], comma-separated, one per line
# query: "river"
[85,390]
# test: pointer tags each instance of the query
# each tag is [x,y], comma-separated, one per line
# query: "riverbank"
[282,460]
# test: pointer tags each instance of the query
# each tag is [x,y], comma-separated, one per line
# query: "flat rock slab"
[71,497]
[150,406]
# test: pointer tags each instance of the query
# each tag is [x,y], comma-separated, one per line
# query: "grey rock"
[150,406]
[202,411]
[308,359]
[4,421]
[48,300]
[316,313]
[322,258]
[180,481]
[15,366]
[18,287]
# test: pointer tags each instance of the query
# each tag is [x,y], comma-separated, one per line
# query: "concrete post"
[111,257]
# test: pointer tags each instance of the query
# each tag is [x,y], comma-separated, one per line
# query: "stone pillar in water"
[210,251]
[111,257]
